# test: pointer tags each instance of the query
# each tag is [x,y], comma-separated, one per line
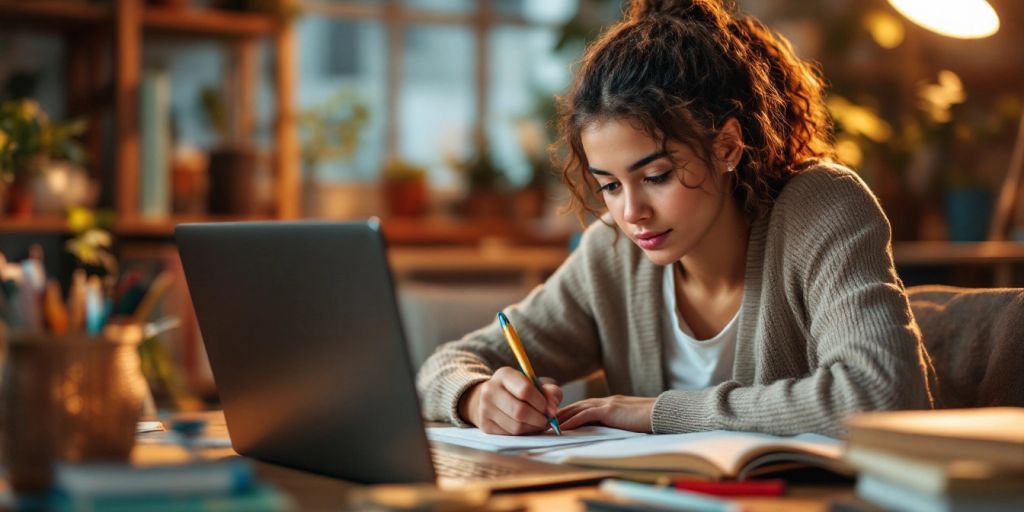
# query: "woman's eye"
[658,178]
[609,187]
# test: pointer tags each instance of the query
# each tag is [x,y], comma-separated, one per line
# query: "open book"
[714,455]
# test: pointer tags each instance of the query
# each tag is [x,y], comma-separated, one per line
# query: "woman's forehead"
[607,138]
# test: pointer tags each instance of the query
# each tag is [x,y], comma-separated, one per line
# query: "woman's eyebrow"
[635,165]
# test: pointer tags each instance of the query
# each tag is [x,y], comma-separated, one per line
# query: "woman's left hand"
[618,411]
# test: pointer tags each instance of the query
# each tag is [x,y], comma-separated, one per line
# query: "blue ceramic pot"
[968,213]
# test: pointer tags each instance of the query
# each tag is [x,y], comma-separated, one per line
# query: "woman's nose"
[636,208]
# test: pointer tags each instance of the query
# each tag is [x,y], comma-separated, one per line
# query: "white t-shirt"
[691,363]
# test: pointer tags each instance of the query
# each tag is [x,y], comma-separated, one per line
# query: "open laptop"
[305,341]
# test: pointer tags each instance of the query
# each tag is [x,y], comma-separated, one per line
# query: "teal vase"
[968,212]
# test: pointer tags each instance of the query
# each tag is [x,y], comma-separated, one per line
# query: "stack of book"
[223,485]
[950,460]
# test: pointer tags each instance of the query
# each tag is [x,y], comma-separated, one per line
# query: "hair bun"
[711,11]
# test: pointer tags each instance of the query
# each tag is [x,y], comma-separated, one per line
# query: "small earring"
[731,168]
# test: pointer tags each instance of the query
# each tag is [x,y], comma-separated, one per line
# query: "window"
[440,76]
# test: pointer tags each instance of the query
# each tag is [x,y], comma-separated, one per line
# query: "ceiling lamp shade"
[963,19]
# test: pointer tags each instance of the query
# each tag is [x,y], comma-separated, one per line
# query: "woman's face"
[645,194]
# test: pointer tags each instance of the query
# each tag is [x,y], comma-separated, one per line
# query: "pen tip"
[502,319]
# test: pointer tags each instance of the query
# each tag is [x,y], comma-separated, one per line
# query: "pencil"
[524,363]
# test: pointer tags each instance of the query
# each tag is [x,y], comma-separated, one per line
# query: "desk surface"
[315,492]
[957,253]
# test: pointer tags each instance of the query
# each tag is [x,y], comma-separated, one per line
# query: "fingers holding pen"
[553,393]
[521,387]
[521,400]
[507,403]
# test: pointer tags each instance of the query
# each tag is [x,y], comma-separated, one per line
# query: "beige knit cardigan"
[825,330]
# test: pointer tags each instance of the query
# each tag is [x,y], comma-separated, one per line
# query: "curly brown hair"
[679,69]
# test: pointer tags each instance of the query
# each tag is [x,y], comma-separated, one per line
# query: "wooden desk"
[315,492]
[531,265]
[1001,256]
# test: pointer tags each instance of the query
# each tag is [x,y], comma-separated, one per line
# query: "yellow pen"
[524,363]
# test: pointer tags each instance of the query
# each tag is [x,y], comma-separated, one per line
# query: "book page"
[475,438]
[727,451]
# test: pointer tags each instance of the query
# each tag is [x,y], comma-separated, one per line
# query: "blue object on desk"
[188,427]
[666,497]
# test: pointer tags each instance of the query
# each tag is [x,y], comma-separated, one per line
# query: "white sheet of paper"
[475,438]
[148,426]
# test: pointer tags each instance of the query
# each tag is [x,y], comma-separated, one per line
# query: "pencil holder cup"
[68,399]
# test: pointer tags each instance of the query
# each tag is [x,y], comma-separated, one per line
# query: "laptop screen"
[304,338]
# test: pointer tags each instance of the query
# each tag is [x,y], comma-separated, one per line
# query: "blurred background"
[122,118]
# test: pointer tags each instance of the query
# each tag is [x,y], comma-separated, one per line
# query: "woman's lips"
[651,241]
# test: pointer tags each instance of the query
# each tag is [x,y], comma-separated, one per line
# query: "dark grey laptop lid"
[304,338]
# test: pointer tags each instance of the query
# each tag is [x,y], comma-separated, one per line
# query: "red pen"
[734,488]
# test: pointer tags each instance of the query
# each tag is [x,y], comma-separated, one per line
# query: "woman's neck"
[718,263]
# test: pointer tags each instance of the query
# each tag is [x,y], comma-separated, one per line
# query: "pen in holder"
[70,398]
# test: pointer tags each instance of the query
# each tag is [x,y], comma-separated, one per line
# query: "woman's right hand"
[509,404]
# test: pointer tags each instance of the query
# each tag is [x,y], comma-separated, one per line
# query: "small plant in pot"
[405,188]
[40,161]
[487,194]
[330,132]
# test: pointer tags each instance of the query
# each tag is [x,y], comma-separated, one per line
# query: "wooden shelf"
[47,224]
[127,24]
[423,232]
[164,228]
[54,13]
[208,22]
[397,230]
[957,253]
[161,20]
[533,264]
[444,231]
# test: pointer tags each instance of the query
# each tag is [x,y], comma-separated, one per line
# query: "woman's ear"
[728,145]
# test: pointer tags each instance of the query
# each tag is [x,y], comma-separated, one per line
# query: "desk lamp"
[972,19]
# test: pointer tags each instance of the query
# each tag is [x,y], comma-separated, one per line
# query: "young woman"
[738,280]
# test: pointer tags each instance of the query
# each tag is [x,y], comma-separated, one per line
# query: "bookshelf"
[119,29]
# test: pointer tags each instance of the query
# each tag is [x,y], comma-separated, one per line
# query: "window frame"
[396,17]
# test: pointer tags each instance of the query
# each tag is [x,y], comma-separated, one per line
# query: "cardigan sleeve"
[863,345]
[556,325]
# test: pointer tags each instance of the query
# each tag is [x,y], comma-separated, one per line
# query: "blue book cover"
[217,477]
[261,498]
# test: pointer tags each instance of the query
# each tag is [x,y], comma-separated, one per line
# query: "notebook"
[713,455]
[478,439]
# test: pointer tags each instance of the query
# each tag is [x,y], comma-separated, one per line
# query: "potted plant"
[486,187]
[970,145]
[33,149]
[329,131]
[529,201]
[405,188]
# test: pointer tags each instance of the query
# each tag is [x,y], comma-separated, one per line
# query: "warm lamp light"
[963,19]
